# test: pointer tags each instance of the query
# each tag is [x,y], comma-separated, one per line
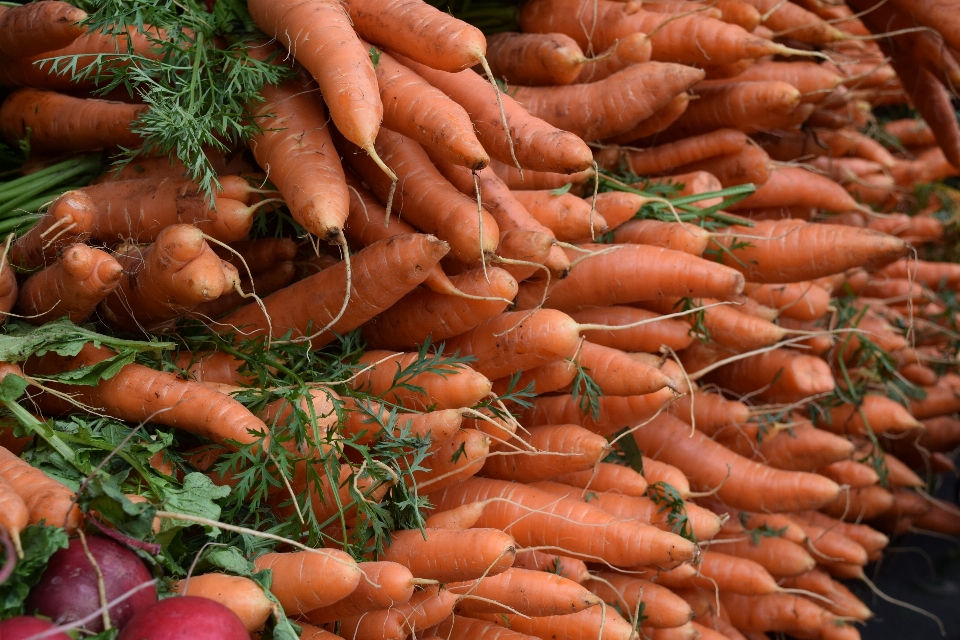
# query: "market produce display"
[559,320]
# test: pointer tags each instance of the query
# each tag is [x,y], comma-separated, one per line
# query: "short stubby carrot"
[385,271]
[73,287]
[58,122]
[31,29]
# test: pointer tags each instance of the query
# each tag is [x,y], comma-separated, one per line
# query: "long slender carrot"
[426,199]
[661,608]
[381,585]
[536,144]
[611,106]
[45,499]
[72,287]
[436,554]
[589,623]
[531,593]
[31,29]
[241,595]
[59,122]
[552,450]
[384,272]
[648,337]
[138,393]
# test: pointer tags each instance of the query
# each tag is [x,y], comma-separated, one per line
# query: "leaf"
[39,543]
[559,191]
[196,498]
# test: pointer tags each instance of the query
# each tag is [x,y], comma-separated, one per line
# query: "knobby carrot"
[46,499]
[72,287]
[241,595]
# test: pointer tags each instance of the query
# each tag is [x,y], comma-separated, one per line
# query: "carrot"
[463,456]
[589,623]
[631,49]
[671,37]
[422,313]
[648,337]
[860,504]
[531,593]
[57,122]
[537,145]
[614,412]
[175,273]
[551,451]
[610,106]
[46,500]
[14,514]
[705,464]
[661,120]
[69,220]
[241,595]
[424,609]
[537,518]
[414,108]
[849,247]
[661,608]
[632,273]
[443,386]
[842,601]
[463,628]
[31,29]
[426,199]
[295,148]
[72,287]
[437,554]
[308,580]
[569,218]
[749,106]
[799,301]
[672,155]
[309,305]
[518,340]
[608,477]
[875,413]
[334,56]
[851,473]
[721,571]
[138,394]
[534,59]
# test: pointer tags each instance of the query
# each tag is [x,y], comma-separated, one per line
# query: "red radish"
[185,618]
[67,590]
[23,627]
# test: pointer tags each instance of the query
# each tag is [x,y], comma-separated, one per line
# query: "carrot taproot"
[14,514]
[613,412]
[531,593]
[661,120]
[595,622]
[661,607]
[842,601]
[798,301]
[631,49]
[563,566]
[294,147]
[462,457]
[537,518]
[551,451]
[630,273]
[535,59]
[608,477]
[422,313]
[308,580]
[72,287]
[435,554]
[391,375]
[138,393]
[722,571]
[569,218]
[310,304]
[241,595]
[851,473]
[537,145]
[58,122]
[334,56]
[159,283]
[31,29]
[704,462]
[553,376]
[611,106]
[46,500]
[648,337]
[864,503]
[672,155]
[423,610]
[464,628]
[426,198]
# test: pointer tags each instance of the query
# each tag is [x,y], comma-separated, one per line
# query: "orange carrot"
[589,623]
[241,595]
[569,218]
[295,148]
[608,477]
[531,593]
[611,106]
[14,514]
[537,145]
[424,609]
[534,59]
[46,500]
[436,554]
[57,122]
[31,29]
[649,337]
[661,608]
[705,464]
[308,580]
[306,307]
[550,451]
[72,287]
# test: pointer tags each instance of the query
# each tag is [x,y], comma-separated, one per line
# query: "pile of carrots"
[656,403]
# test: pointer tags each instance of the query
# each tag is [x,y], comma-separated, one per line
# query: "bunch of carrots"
[625,321]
